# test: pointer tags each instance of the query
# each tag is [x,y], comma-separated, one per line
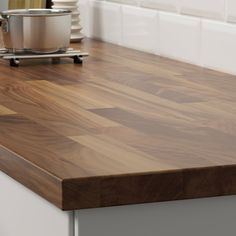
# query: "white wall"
[3,5]
[201,32]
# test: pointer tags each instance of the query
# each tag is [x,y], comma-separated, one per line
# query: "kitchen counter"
[124,128]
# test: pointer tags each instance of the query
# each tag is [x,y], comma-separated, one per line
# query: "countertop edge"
[117,190]
[31,176]
[107,191]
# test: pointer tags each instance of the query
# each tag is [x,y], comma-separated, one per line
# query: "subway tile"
[140,29]
[166,5]
[116,1]
[105,21]
[204,8]
[131,2]
[191,39]
[218,46]
[231,10]
[84,16]
[128,2]
[180,37]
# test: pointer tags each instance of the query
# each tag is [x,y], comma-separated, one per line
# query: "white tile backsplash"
[140,24]
[128,2]
[84,16]
[218,46]
[140,29]
[180,37]
[105,21]
[166,5]
[204,8]
[231,10]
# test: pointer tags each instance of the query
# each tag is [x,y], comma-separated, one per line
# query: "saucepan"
[36,30]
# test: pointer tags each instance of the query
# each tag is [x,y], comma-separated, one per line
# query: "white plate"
[75,13]
[66,4]
[76,27]
[76,37]
[75,24]
[64,7]
[65,1]
[75,20]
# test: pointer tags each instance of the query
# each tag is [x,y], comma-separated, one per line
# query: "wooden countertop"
[124,128]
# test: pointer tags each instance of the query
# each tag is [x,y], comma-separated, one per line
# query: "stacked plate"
[73,6]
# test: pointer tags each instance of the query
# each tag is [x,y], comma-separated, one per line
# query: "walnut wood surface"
[124,128]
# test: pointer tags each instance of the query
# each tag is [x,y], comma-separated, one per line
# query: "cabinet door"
[23,213]
[206,217]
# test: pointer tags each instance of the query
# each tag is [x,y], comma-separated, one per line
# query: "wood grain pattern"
[124,128]
[5,111]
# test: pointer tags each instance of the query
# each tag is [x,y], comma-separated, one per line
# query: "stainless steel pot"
[36,30]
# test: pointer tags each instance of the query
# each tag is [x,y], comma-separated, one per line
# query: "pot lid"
[35,12]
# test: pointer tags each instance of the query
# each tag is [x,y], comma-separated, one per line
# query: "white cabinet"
[199,217]
[23,213]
